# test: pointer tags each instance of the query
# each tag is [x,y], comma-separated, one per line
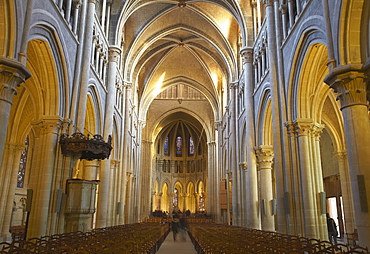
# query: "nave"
[169,246]
[156,237]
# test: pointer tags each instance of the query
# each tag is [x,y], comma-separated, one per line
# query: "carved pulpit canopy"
[90,148]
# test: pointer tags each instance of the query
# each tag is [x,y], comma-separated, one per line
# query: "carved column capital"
[12,74]
[247,55]
[350,82]
[141,123]
[265,156]
[77,4]
[341,155]
[290,128]
[229,175]
[302,127]
[218,125]
[15,146]
[268,2]
[113,53]
[48,125]
[211,143]
[317,130]
[283,8]
[243,166]
[127,85]
[234,85]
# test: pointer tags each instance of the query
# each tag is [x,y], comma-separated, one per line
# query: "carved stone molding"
[305,127]
[265,156]
[234,85]
[114,53]
[290,129]
[77,4]
[12,75]
[350,82]
[243,165]
[302,127]
[47,125]
[247,55]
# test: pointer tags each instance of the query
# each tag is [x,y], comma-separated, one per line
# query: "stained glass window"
[166,150]
[201,203]
[191,146]
[22,165]
[178,145]
[175,199]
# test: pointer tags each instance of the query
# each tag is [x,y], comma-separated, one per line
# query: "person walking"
[175,226]
[183,226]
[332,229]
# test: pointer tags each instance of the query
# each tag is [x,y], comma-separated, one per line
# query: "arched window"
[22,165]
[175,199]
[201,205]
[191,146]
[165,147]
[178,145]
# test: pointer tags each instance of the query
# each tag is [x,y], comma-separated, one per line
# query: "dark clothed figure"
[175,226]
[187,213]
[332,229]
[183,227]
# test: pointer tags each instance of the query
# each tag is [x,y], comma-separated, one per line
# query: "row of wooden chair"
[131,238]
[210,238]
[189,219]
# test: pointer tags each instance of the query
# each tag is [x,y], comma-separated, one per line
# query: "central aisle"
[169,246]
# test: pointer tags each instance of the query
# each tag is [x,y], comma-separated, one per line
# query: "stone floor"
[169,246]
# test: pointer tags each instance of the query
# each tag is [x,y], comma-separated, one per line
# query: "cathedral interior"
[254,113]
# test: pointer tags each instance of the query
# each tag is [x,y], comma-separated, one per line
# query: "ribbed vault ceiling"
[170,41]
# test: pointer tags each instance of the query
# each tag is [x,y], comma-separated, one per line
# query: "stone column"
[128,197]
[220,172]
[250,142]
[140,175]
[85,68]
[11,162]
[245,190]
[147,184]
[76,4]
[345,181]
[41,175]
[283,10]
[303,129]
[321,230]
[265,155]
[291,13]
[213,204]
[25,34]
[292,196]
[90,170]
[107,23]
[102,206]
[112,194]
[350,83]
[329,36]
[233,155]
[12,74]
[125,135]
[123,159]
[277,101]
